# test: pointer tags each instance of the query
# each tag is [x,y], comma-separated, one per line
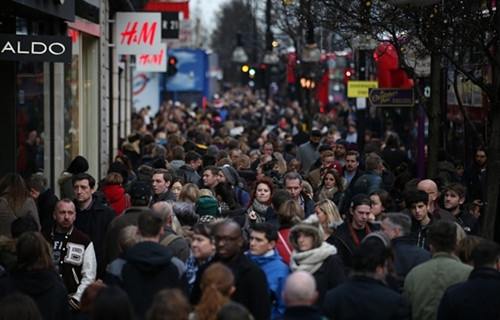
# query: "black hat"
[360,199]
[141,190]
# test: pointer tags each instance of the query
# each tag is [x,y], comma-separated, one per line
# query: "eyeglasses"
[225,239]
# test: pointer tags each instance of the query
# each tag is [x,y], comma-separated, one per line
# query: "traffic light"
[172,66]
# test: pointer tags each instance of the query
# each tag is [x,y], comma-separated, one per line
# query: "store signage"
[359,89]
[138,32]
[392,97]
[156,62]
[35,48]
[170,25]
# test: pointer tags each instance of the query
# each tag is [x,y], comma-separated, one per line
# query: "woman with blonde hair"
[189,193]
[217,285]
[327,212]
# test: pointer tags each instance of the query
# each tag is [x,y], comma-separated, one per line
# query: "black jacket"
[46,203]
[406,256]
[302,312]
[328,276]
[44,286]
[478,298]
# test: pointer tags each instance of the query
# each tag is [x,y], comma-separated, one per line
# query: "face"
[388,230]
[329,181]
[235,155]
[64,215]
[83,191]
[209,179]
[293,166]
[431,190]
[202,247]
[322,217]
[176,189]
[351,164]
[268,149]
[419,211]
[377,207]
[340,150]
[452,200]
[228,241]
[293,187]
[360,216]
[254,157]
[259,244]
[305,241]
[262,193]
[481,158]
[315,140]
[327,160]
[159,184]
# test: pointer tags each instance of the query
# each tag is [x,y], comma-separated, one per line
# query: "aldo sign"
[35,48]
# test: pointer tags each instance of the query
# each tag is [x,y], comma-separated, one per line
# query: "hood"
[35,283]
[148,256]
[263,259]
[113,192]
[310,226]
[446,166]
[64,177]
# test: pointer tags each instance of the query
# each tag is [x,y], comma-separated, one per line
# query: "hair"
[19,305]
[166,175]
[112,303]
[160,151]
[292,176]
[465,246]
[113,179]
[288,210]
[165,209]
[352,153]
[23,224]
[88,296]
[281,162]
[169,304]
[189,193]
[214,169]
[243,162]
[84,176]
[443,236]
[372,253]
[336,176]
[483,148]
[126,162]
[150,223]
[216,283]
[400,220]
[226,192]
[373,161]
[457,187]
[279,197]
[415,196]
[36,182]
[204,229]
[78,165]
[385,198]
[177,153]
[234,310]
[191,156]
[127,238]
[485,254]
[179,179]
[120,168]
[266,181]
[330,209]
[34,252]
[307,189]
[14,190]
[270,231]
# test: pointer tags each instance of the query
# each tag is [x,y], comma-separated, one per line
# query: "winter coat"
[117,197]
[276,272]
[46,203]
[367,183]
[44,286]
[343,240]
[406,256]
[7,216]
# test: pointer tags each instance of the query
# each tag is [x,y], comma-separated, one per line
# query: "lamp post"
[239,55]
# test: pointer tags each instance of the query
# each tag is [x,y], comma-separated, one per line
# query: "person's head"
[165,209]
[218,278]
[203,245]
[189,193]
[315,137]
[396,224]
[373,255]
[268,148]
[19,305]
[293,184]
[127,238]
[176,186]
[150,224]
[141,194]
[481,156]
[243,162]
[23,224]
[288,210]
[35,185]
[373,162]
[121,169]
[78,165]
[228,241]
[12,187]
[161,181]
[113,178]
[442,236]
[416,203]
[228,174]
[360,208]
[465,246]
[234,310]
[351,161]
[294,165]
[177,153]
[486,254]
[89,294]
[193,159]
[224,192]
[341,148]
[169,304]
[64,215]
[263,238]
[431,188]
[300,289]
[327,157]
[327,212]
[381,202]
[34,252]
[307,234]
[83,187]
[210,176]
[112,303]
[234,155]
[454,196]
[263,191]
[332,179]
[158,151]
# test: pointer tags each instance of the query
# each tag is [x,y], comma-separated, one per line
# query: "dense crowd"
[237,212]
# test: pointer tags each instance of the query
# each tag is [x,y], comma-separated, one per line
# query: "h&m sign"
[35,48]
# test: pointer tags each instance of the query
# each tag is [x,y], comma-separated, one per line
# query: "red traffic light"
[172,61]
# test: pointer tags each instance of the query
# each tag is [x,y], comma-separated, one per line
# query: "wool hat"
[207,205]
[311,226]
[141,190]
[337,166]
[231,175]
[343,142]
[360,199]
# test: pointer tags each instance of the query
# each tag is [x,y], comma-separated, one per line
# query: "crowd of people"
[237,212]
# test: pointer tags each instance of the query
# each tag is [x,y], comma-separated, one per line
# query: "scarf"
[311,260]
[258,207]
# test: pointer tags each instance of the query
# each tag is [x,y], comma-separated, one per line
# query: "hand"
[252,215]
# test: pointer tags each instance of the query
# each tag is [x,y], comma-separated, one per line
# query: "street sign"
[359,89]
[170,25]
[392,97]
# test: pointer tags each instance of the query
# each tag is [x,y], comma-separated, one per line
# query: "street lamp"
[270,57]
[239,55]
[310,53]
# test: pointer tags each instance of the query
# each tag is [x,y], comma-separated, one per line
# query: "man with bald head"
[252,289]
[300,297]
[431,188]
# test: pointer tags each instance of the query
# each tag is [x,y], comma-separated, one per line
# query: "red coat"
[117,197]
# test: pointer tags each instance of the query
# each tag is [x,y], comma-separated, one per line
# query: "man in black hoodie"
[147,267]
